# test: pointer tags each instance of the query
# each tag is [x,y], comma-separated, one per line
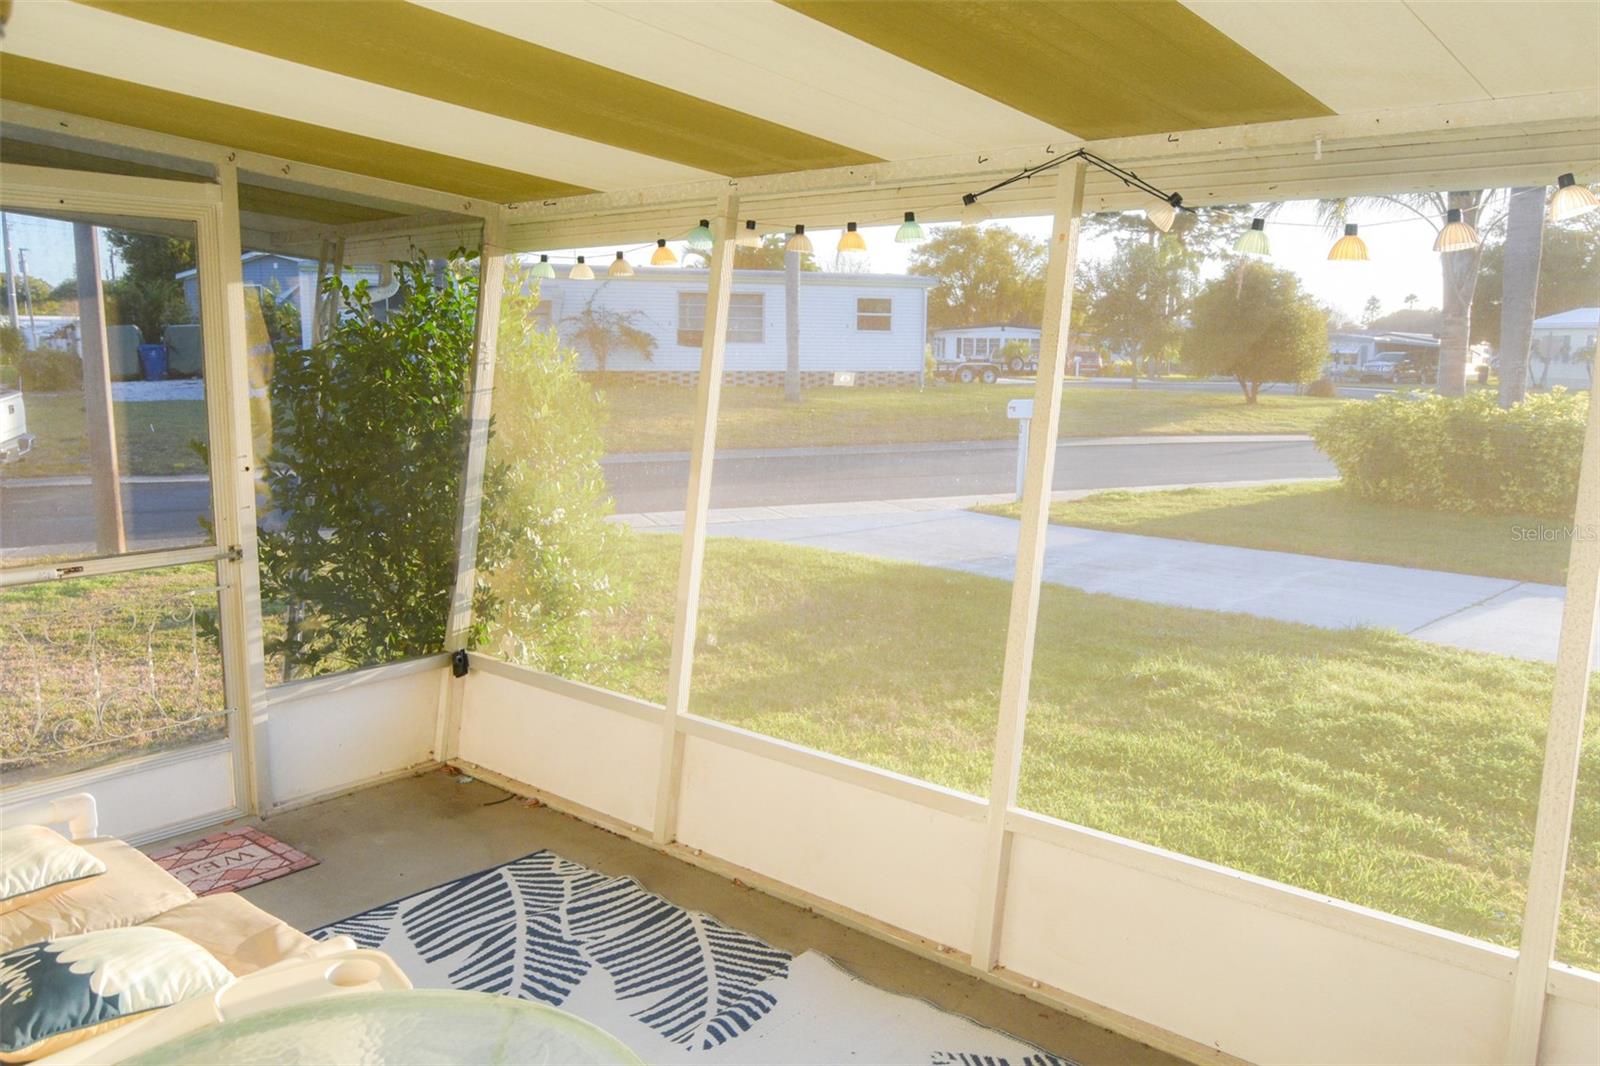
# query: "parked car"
[15,440]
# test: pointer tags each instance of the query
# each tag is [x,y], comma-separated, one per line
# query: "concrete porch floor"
[391,840]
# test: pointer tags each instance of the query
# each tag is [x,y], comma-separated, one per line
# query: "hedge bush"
[1463,454]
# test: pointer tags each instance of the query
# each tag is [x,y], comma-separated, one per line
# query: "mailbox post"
[1022,411]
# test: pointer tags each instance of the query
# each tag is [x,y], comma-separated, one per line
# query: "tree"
[1370,311]
[1519,289]
[1458,270]
[1256,325]
[601,331]
[1408,320]
[1138,299]
[367,452]
[985,275]
[545,549]
[149,295]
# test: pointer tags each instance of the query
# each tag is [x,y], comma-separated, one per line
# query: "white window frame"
[873,315]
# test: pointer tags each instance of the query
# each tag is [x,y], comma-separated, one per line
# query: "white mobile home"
[870,325]
[1563,349]
[982,343]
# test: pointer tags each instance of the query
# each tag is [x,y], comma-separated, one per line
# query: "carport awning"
[527,101]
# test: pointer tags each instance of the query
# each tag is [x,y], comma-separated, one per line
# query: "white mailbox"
[1019,409]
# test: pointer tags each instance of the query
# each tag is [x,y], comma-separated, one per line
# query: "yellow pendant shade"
[851,241]
[620,268]
[581,271]
[1457,236]
[1571,199]
[748,237]
[1350,248]
[663,256]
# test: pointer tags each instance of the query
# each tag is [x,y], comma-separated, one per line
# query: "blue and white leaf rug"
[674,985]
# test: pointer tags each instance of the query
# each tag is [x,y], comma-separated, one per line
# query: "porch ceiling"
[524,102]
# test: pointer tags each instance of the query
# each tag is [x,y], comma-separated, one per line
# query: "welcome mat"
[674,985]
[231,860]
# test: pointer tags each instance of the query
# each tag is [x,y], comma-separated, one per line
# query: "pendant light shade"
[799,242]
[1457,236]
[620,268]
[1350,248]
[1571,199]
[1254,240]
[910,230]
[748,237]
[581,271]
[663,256]
[543,269]
[1164,212]
[972,212]
[699,238]
[851,242]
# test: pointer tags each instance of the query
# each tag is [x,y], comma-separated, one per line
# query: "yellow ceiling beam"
[413,49]
[61,88]
[1096,68]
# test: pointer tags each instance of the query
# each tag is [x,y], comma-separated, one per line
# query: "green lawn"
[1322,518]
[1378,769]
[124,664]
[653,418]
[152,438]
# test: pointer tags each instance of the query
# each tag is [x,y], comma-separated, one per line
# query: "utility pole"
[27,293]
[105,475]
[791,323]
[11,273]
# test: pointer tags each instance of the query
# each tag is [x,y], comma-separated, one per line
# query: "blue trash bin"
[153,359]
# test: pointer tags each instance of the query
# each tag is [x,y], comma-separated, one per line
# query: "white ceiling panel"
[763,59]
[1519,49]
[84,38]
[1360,55]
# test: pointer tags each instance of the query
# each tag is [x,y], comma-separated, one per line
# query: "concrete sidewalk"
[1504,617]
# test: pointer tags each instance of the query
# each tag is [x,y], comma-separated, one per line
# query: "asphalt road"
[51,518]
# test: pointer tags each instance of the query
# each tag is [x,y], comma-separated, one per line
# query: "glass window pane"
[97,669]
[358,413]
[585,469]
[103,431]
[1306,632]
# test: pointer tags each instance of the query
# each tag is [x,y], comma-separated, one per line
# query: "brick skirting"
[809,379]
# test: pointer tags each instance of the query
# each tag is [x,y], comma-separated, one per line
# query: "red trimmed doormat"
[231,860]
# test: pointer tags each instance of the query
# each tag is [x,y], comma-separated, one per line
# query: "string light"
[663,256]
[910,230]
[581,271]
[620,268]
[799,242]
[1164,212]
[1350,248]
[543,269]
[973,212]
[851,243]
[1457,236]
[1571,199]
[699,238]
[1254,240]
[748,237]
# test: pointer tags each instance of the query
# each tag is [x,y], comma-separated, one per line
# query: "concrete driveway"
[1517,619]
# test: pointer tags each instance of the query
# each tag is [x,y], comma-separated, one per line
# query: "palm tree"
[1520,283]
[1459,269]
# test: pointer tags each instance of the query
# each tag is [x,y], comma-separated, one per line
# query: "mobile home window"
[872,313]
[746,318]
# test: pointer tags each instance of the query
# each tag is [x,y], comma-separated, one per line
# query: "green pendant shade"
[543,269]
[699,238]
[910,230]
[1254,240]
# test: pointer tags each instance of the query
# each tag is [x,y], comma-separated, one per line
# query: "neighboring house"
[872,326]
[982,343]
[1563,349]
[1349,352]
[292,279]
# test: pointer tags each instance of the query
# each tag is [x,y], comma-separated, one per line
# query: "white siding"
[829,339]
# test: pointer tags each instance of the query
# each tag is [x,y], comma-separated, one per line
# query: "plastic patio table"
[398,1027]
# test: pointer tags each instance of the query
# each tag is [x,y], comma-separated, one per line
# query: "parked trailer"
[15,440]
